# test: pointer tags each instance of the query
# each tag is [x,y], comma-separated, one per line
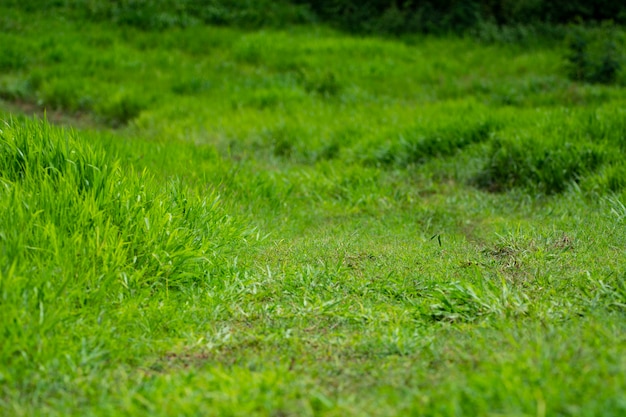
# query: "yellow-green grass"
[301,222]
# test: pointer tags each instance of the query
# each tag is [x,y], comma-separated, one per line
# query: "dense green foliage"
[436,16]
[160,14]
[78,229]
[378,16]
[299,222]
[595,55]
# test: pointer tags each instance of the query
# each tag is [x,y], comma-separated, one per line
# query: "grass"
[300,222]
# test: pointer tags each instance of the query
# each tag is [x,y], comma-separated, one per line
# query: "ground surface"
[301,222]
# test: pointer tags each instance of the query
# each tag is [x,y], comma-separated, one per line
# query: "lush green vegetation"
[363,16]
[441,16]
[297,221]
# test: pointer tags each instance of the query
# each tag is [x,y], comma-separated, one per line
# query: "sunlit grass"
[301,222]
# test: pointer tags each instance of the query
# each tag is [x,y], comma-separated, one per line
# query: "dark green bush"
[594,55]
[399,16]
[373,16]
[568,11]
[394,17]
[377,16]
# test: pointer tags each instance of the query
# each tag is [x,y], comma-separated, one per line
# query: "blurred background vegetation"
[361,16]
[441,16]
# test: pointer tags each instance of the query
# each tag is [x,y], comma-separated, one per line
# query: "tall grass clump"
[542,160]
[161,234]
[581,147]
[418,144]
[536,165]
[77,229]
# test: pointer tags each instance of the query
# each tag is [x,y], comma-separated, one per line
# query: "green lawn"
[298,222]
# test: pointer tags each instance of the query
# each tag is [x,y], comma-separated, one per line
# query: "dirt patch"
[81,120]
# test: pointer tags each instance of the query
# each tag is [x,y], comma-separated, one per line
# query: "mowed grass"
[301,222]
